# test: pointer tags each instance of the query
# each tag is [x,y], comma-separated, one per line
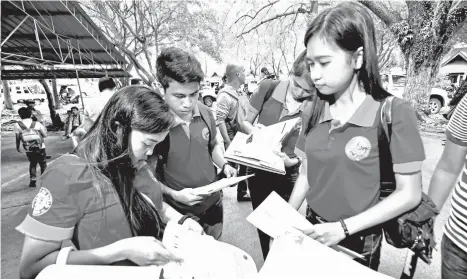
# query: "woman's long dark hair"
[350,26]
[107,151]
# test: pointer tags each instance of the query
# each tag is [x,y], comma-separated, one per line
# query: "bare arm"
[301,187]
[224,105]
[446,172]
[248,123]
[38,254]
[224,133]
[218,156]
[169,213]
[407,195]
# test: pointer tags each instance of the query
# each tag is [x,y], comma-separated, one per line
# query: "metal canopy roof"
[49,33]
[61,73]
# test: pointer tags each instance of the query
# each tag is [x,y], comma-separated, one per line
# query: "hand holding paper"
[219,185]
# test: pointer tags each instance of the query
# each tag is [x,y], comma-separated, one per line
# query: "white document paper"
[220,184]
[253,155]
[204,257]
[275,217]
[271,136]
[302,257]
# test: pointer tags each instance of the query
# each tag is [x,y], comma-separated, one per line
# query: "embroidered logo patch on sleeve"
[205,133]
[42,202]
[358,148]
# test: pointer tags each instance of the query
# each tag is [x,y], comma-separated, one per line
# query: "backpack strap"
[387,177]
[21,125]
[208,120]
[269,86]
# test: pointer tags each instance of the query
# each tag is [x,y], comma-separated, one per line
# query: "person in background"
[264,74]
[36,115]
[340,177]
[93,108]
[33,142]
[450,165]
[103,197]
[186,158]
[287,100]
[73,122]
[230,115]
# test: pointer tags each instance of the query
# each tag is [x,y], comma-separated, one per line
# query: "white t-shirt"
[93,108]
[27,122]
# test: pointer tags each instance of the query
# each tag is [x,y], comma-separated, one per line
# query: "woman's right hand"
[146,250]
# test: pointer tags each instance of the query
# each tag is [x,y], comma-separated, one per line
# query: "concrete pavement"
[237,231]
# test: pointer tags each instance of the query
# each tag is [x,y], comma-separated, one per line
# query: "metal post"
[37,38]
[14,30]
[77,76]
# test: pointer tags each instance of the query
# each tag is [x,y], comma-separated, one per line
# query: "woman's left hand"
[194,226]
[328,234]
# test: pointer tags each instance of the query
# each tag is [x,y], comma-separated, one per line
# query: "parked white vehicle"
[20,93]
[208,95]
[437,99]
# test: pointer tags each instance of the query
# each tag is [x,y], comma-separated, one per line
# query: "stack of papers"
[204,257]
[258,150]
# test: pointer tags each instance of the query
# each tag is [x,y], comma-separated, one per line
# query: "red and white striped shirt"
[456,226]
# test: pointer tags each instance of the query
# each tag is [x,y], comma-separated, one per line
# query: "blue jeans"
[454,260]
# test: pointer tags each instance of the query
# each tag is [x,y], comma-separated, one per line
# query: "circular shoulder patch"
[42,202]
[205,133]
[358,148]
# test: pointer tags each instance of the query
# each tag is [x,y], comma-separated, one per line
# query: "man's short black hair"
[75,108]
[24,113]
[176,64]
[265,71]
[106,83]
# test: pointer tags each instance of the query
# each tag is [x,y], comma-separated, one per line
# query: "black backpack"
[415,228]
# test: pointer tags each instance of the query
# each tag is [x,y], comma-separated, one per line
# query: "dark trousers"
[242,185]
[36,157]
[262,185]
[367,243]
[453,260]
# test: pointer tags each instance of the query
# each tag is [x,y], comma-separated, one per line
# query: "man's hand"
[17,149]
[229,171]
[288,162]
[187,196]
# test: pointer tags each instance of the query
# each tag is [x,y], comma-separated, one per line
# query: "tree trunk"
[56,121]
[55,94]
[7,96]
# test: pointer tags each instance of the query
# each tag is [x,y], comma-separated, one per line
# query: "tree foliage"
[140,29]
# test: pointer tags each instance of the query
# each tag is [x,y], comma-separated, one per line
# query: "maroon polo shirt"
[68,206]
[274,110]
[343,160]
[189,164]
